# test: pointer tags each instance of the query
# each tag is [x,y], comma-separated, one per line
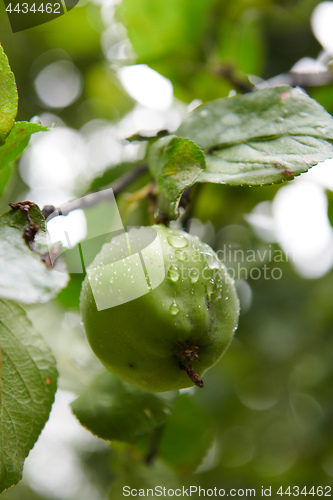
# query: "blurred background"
[109,69]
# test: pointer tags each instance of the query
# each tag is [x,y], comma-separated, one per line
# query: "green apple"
[158,308]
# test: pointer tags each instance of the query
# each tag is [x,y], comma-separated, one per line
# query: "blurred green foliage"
[265,415]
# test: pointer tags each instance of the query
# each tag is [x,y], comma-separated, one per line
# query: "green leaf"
[115,410]
[156,29]
[177,164]
[187,436]
[112,174]
[28,382]
[24,276]
[263,137]
[17,140]
[8,96]
[5,175]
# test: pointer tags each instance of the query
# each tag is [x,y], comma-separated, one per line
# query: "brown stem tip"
[190,355]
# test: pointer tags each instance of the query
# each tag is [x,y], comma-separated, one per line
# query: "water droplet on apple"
[182,256]
[177,241]
[210,287]
[194,275]
[174,309]
[173,273]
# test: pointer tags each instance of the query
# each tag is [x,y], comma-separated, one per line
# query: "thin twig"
[155,441]
[92,199]
[290,78]
[191,196]
[298,79]
[242,84]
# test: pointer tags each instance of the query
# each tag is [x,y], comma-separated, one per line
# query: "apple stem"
[189,355]
[194,377]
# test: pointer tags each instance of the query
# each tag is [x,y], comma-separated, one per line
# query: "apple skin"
[194,310]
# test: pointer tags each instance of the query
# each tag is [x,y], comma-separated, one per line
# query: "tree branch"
[241,83]
[298,79]
[291,78]
[92,199]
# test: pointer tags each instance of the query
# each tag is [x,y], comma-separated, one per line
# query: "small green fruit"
[161,325]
